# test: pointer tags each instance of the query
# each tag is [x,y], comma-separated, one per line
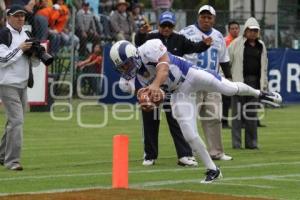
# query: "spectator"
[122,23]
[233,32]
[86,28]
[106,6]
[15,76]
[138,17]
[51,15]
[40,26]
[64,13]
[92,65]
[105,9]
[61,25]
[248,58]
[178,45]
[210,104]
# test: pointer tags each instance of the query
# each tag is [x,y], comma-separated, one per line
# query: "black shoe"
[212,175]
[271,98]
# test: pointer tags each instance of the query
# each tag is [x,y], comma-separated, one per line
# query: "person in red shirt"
[92,65]
[234,30]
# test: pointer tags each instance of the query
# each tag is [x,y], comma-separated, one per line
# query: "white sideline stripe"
[260,165]
[140,171]
[221,182]
[246,185]
[285,180]
[197,181]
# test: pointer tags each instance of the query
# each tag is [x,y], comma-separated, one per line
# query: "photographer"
[15,76]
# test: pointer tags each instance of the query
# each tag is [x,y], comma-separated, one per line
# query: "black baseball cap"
[15,8]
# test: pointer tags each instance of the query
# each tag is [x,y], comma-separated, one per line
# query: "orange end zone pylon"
[120,162]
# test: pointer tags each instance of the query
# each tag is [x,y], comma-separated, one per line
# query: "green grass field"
[61,155]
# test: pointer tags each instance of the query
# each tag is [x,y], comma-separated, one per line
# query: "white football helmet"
[125,58]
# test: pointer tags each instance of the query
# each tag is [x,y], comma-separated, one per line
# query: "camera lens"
[47,59]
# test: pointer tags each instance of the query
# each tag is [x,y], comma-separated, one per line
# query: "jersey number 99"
[208,59]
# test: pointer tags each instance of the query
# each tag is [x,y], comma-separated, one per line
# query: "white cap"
[56,6]
[208,8]
[254,27]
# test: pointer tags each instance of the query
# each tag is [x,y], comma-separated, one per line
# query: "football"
[158,98]
[144,99]
[148,101]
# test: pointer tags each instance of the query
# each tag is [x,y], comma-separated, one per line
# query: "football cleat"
[271,98]
[187,161]
[212,175]
[224,157]
[148,162]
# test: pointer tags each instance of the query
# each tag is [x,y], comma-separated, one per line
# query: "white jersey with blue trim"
[214,55]
[150,53]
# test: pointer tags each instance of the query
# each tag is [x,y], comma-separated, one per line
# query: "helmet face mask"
[125,58]
[129,67]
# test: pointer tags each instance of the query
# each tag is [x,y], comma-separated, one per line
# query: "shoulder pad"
[5,36]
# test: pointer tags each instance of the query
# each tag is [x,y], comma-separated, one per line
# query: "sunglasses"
[164,25]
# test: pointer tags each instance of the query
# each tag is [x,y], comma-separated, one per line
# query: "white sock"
[200,150]
[246,90]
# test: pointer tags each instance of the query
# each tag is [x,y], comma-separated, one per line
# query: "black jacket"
[177,44]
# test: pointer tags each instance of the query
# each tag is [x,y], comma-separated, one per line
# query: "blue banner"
[110,88]
[283,72]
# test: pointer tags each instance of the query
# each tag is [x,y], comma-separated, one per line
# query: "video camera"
[39,51]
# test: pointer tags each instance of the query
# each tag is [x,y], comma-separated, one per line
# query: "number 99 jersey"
[214,55]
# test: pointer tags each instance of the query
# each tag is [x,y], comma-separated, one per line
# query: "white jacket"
[236,54]
[14,65]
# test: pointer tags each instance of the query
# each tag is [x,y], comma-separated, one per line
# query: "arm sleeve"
[140,38]
[8,56]
[193,47]
[226,69]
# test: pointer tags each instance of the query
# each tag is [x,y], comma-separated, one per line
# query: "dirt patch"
[124,194]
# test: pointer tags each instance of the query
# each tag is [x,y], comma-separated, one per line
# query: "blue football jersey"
[214,55]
